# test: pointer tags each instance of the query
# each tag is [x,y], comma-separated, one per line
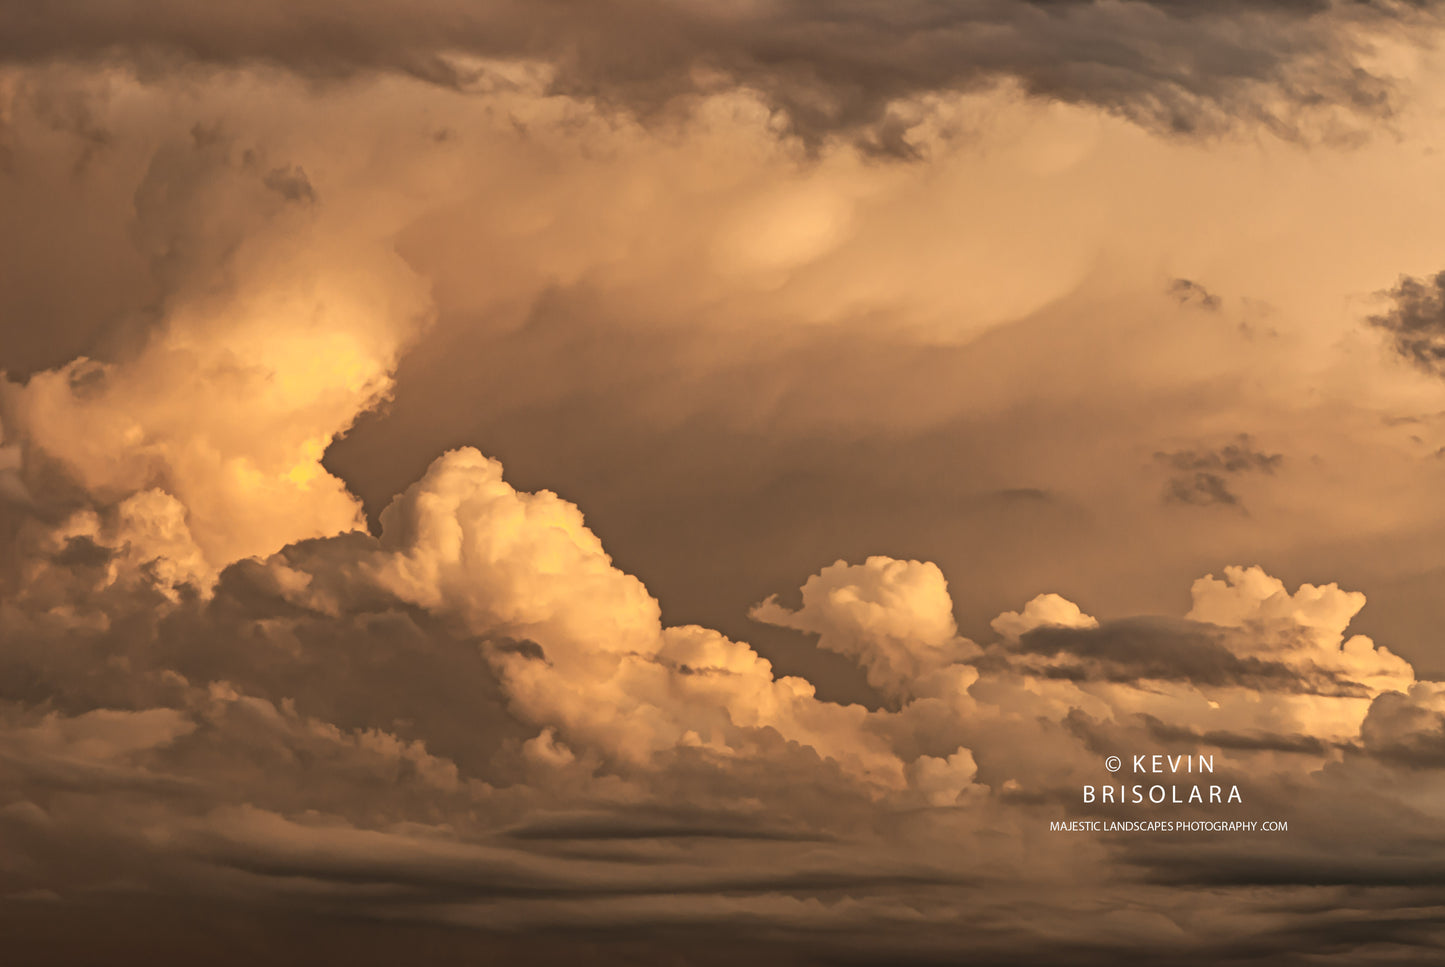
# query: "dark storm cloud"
[1416,321]
[1403,730]
[380,664]
[1201,476]
[1241,741]
[830,66]
[1136,649]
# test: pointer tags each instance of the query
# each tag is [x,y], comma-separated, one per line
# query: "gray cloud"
[1189,292]
[1404,730]
[1415,321]
[1202,476]
[291,183]
[1223,739]
[1135,649]
[830,66]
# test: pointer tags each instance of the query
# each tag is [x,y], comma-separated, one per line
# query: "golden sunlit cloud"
[819,483]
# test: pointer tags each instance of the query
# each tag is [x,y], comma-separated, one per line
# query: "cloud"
[826,67]
[219,687]
[335,666]
[1302,744]
[1202,476]
[1044,611]
[475,718]
[224,408]
[1407,727]
[1189,292]
[895,618]
[1415,322]
[1131,650]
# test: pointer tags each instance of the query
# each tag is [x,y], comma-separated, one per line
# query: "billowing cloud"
[303,741]
[413,721]
[895,618]
[279,325]
[360,255]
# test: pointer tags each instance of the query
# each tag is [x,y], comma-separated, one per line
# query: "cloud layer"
[279,640]
[826,67]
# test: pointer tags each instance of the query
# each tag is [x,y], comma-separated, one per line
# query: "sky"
[682,481]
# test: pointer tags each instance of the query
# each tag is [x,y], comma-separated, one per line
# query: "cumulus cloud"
[403,712]
[895,618]
[221,684]
[1044,611]
[278,326]
[389,706]
[414,722]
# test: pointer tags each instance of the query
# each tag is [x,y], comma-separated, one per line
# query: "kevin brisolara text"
[1168,826]
[1159,795]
